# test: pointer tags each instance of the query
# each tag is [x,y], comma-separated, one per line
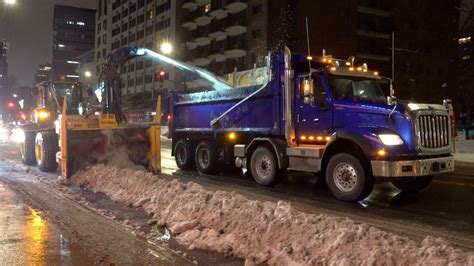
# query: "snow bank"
[262,232]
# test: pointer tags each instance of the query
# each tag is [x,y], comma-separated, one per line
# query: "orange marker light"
[351,69]
[311,138]
[232,136]
[328,138]
[320,138]
[333,68]
[376,73]
[303,137]
[381,152]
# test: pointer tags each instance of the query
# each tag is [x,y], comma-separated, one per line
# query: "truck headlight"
[391,139]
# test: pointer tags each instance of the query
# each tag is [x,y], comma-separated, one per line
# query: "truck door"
[313,120]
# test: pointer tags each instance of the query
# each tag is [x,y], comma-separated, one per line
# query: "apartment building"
[145,23]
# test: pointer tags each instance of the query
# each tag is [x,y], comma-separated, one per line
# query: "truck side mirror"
[391,100]
[307,91]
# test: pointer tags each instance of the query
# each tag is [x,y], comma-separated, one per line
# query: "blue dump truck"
[318,115]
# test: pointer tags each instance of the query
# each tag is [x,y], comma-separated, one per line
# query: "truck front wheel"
[347,179]
[263,166]
[46,147]
[206,158]
[414,184]
[184,155]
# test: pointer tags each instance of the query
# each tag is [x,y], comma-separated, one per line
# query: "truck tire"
[206,158]
[27,149]
[264,167]
[347,179]
[413,184]
[184,155]
[46,147]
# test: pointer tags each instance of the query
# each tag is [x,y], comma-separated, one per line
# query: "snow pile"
[262,232]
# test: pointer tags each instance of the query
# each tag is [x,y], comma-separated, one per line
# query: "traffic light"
[11,105]
[161,75]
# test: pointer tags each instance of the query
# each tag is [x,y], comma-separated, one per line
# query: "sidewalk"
[464,152]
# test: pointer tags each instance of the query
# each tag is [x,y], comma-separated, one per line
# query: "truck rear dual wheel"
[347,179]
[46,147]
[184,155]
[206,158]
[27,149]
[413,184]
[264,167]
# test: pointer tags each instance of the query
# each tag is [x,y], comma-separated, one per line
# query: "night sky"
[28,27]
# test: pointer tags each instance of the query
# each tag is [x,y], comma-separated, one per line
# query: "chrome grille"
[433,131]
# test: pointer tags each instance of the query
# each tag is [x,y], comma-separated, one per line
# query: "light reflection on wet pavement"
[26,238]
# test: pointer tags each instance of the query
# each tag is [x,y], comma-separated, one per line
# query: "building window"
[98,41]
[99,27]
[124,27]
[131,82]
[104,25]
[141,3]
[150,14]
[148,79]
[104,53]
[125,13]
[139,81]
[131,38]
[104,39]
[115,31]
[163,24]
[131,68]
[115,45]
[132,23]
[140,34]
[141,19]
[124,41]
[207,8]
[139,65]
[115,18]
[163,8]
[149,30]
[133,8]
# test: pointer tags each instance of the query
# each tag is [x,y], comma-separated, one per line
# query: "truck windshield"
[355,89]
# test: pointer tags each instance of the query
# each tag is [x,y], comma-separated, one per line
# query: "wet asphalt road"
[43,223]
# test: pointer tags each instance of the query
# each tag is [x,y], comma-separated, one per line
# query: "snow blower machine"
[85,134]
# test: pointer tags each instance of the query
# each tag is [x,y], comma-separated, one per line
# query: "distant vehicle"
[314,115]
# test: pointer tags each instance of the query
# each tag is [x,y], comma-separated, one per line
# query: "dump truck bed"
[261,113]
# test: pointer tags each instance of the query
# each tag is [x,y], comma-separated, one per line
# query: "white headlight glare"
[18,135]
[391,139]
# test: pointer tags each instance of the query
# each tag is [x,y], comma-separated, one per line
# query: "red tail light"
[11,104]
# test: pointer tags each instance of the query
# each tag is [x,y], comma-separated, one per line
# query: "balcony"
[190,25]
[235,47]
[202,41]
[201,61]
[235,30]
[203,20]
[218,14]
[202,2]
[190,6]
[235,6]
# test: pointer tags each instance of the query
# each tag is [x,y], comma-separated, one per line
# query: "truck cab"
[320,115]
